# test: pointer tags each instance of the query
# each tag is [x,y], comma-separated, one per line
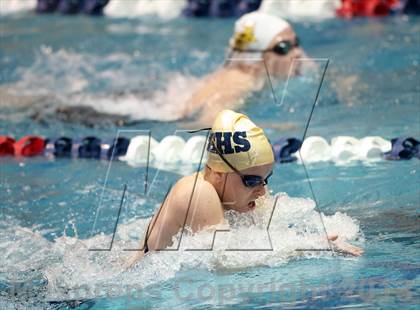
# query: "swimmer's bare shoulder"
[192,202]
[197,199]
[223,89]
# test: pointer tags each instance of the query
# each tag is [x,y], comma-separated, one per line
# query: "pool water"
[138,72]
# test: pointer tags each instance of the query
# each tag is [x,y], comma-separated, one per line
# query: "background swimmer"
[74,97]
[240,162]
[260,42]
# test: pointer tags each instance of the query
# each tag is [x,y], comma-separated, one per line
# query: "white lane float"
[344,148]
[373,147]
[139,149]
[193,150]
[173,150]
[314,149]
[169,150]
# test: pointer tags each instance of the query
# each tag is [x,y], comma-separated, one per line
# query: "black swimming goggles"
[247,180]
[281,48]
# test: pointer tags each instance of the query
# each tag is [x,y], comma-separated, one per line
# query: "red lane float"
[354,8]
[6,146]
[29,146]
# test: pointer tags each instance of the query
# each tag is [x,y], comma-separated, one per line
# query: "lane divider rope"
[174,149]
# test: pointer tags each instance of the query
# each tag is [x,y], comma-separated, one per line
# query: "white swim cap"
[254,31]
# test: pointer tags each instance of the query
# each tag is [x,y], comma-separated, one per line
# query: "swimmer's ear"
[220,177]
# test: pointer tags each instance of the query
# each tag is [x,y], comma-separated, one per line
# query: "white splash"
[166,105]
[68,78]
[74,272]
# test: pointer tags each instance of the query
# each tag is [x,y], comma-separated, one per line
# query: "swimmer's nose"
[298,52]
[260,190]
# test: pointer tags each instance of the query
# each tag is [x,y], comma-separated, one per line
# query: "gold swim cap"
[240,141]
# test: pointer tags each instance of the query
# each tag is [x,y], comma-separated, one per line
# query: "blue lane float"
[71,7]
[411,7]
[46,6]
[403,148]
[114,148]
[88,147]
[58,147]
[220,8]
[94,7]
[285,148]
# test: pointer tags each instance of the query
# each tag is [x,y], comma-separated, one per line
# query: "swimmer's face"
[279,65]
[236,196]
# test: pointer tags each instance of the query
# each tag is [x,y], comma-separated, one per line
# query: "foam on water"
[165,105]
[74,272]
[67,78]
[65,72]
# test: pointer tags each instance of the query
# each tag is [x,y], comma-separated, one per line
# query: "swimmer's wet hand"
[130,263]
[341,246]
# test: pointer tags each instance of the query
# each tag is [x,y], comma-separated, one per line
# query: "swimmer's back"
[219,90]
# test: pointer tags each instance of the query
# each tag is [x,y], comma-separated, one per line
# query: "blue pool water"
[139,71]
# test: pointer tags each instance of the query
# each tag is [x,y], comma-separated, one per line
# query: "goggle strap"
[264,182]
[294,44]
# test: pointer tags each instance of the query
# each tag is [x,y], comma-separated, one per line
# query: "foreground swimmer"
[260,43]
[240,162]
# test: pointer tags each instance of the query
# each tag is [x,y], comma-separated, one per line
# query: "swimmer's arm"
[161,230]
[135,258]
[139,253]
[159,236]
[340,245]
